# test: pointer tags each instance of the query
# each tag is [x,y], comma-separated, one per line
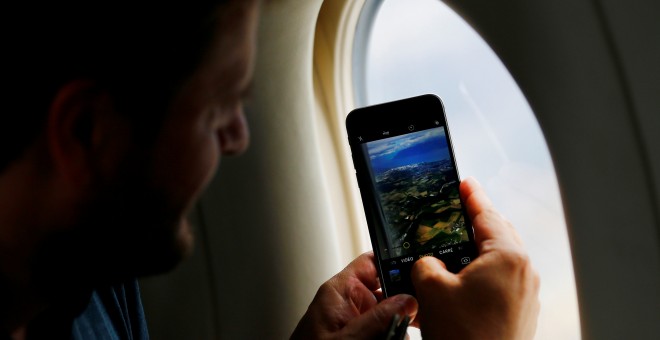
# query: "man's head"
[114,124]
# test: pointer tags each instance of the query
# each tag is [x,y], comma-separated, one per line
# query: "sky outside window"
[422,46]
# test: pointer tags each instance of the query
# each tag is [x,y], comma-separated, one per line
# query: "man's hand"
[494,297]
[347,306]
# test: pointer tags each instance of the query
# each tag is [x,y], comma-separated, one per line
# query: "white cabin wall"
[272,232]
[635,29]
[270,227]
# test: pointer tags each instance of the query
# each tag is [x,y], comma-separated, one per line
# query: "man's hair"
[139,52]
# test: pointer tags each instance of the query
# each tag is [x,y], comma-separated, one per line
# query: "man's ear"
[76,127]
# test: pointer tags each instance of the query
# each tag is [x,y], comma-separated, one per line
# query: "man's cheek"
[202,168]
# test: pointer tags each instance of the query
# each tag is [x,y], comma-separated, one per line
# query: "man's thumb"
[429,268]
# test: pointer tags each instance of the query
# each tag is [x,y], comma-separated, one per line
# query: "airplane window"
[405,48]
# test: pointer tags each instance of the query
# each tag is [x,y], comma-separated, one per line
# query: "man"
[114,124]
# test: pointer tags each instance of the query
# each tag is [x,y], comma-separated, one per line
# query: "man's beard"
[124,231]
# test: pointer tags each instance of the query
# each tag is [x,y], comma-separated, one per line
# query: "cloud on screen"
[426,145]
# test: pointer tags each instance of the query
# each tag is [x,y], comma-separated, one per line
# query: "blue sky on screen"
[423,146]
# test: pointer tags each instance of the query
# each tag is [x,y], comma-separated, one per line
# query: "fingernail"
[473,180]
[408,302]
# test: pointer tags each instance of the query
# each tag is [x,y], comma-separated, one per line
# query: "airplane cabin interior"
[284,217]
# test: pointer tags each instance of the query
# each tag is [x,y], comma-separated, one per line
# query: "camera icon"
[465,260]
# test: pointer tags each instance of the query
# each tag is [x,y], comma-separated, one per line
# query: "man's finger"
[474,197]
[487,222]
[375,322]
[426,274]
[430,269]
[364,269]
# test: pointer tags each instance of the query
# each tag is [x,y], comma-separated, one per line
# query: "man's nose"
[235,137]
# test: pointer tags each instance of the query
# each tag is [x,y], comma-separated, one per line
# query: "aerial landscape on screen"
[417,187]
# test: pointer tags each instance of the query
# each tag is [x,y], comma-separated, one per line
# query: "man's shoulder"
[113,312]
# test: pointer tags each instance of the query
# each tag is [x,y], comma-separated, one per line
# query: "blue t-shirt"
[112,313]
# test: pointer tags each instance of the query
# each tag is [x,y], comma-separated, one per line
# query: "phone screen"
[408,176]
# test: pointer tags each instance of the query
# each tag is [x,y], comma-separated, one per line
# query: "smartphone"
[409,183]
